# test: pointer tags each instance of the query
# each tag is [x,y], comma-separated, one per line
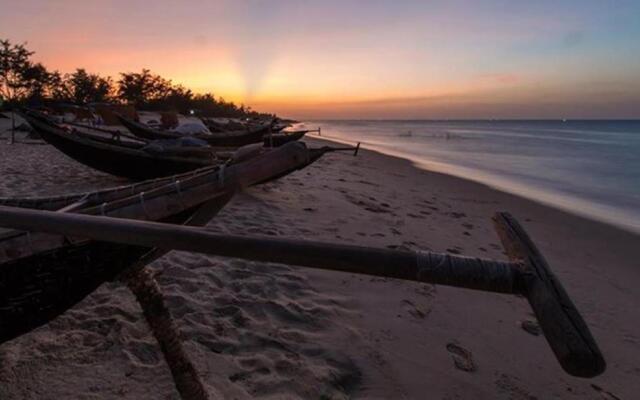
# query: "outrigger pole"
[527,274]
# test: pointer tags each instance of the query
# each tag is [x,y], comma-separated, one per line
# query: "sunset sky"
[358,59]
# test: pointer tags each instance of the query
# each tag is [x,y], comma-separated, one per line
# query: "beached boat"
[221,139]
[261,134]
[527,274]
[127,159]
[235,126]
[43,274]
[279,139]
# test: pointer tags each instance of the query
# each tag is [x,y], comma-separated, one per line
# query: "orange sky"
[358,59]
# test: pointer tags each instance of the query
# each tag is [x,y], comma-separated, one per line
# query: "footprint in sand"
[511,386]
[414,310]
[462,358]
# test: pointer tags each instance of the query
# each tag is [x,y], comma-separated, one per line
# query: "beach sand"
[274,331]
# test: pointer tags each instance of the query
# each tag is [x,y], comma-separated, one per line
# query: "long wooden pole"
[562,324]
[472,273]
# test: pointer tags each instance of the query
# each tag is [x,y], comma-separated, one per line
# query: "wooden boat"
[234,126]
[282,138]
[222,139]
[219,139]
[125,159]
[527,274]
[43,274]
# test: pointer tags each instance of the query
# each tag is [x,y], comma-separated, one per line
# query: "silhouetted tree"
[176,98]
[15,67]
[142,88]
[19,78]
[40,83]
[82,87]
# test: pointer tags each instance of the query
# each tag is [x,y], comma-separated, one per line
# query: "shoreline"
[282,331]
[578,207]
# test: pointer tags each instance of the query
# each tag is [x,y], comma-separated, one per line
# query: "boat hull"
[115,160]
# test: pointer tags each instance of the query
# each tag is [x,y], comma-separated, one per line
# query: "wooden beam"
[564,328]
[445,269]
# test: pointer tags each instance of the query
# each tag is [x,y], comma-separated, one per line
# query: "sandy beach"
[283,332]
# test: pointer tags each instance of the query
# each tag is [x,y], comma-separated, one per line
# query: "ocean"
[587,167]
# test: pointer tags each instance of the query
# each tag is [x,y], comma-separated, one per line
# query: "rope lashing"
[469,272]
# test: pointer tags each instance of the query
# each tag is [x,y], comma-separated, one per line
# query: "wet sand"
[274,331]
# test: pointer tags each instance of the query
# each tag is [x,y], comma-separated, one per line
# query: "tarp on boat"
[191,128]
[183,146]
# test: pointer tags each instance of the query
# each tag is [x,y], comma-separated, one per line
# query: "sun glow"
[418,59]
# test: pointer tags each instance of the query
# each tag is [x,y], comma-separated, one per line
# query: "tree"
[14,65]
[142,88]
[39,83]
[82,87]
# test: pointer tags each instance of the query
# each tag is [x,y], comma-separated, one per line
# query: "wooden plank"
[473,273]
[564,328]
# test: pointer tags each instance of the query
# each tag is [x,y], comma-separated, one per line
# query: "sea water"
[591,168]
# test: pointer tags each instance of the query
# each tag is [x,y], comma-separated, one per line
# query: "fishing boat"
[127,159]
[527,274]
[220,139]
[231,125]
[44,274]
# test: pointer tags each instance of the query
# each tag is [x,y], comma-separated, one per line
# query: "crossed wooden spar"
[527,274]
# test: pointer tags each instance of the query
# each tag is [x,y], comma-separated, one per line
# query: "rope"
[469,272]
